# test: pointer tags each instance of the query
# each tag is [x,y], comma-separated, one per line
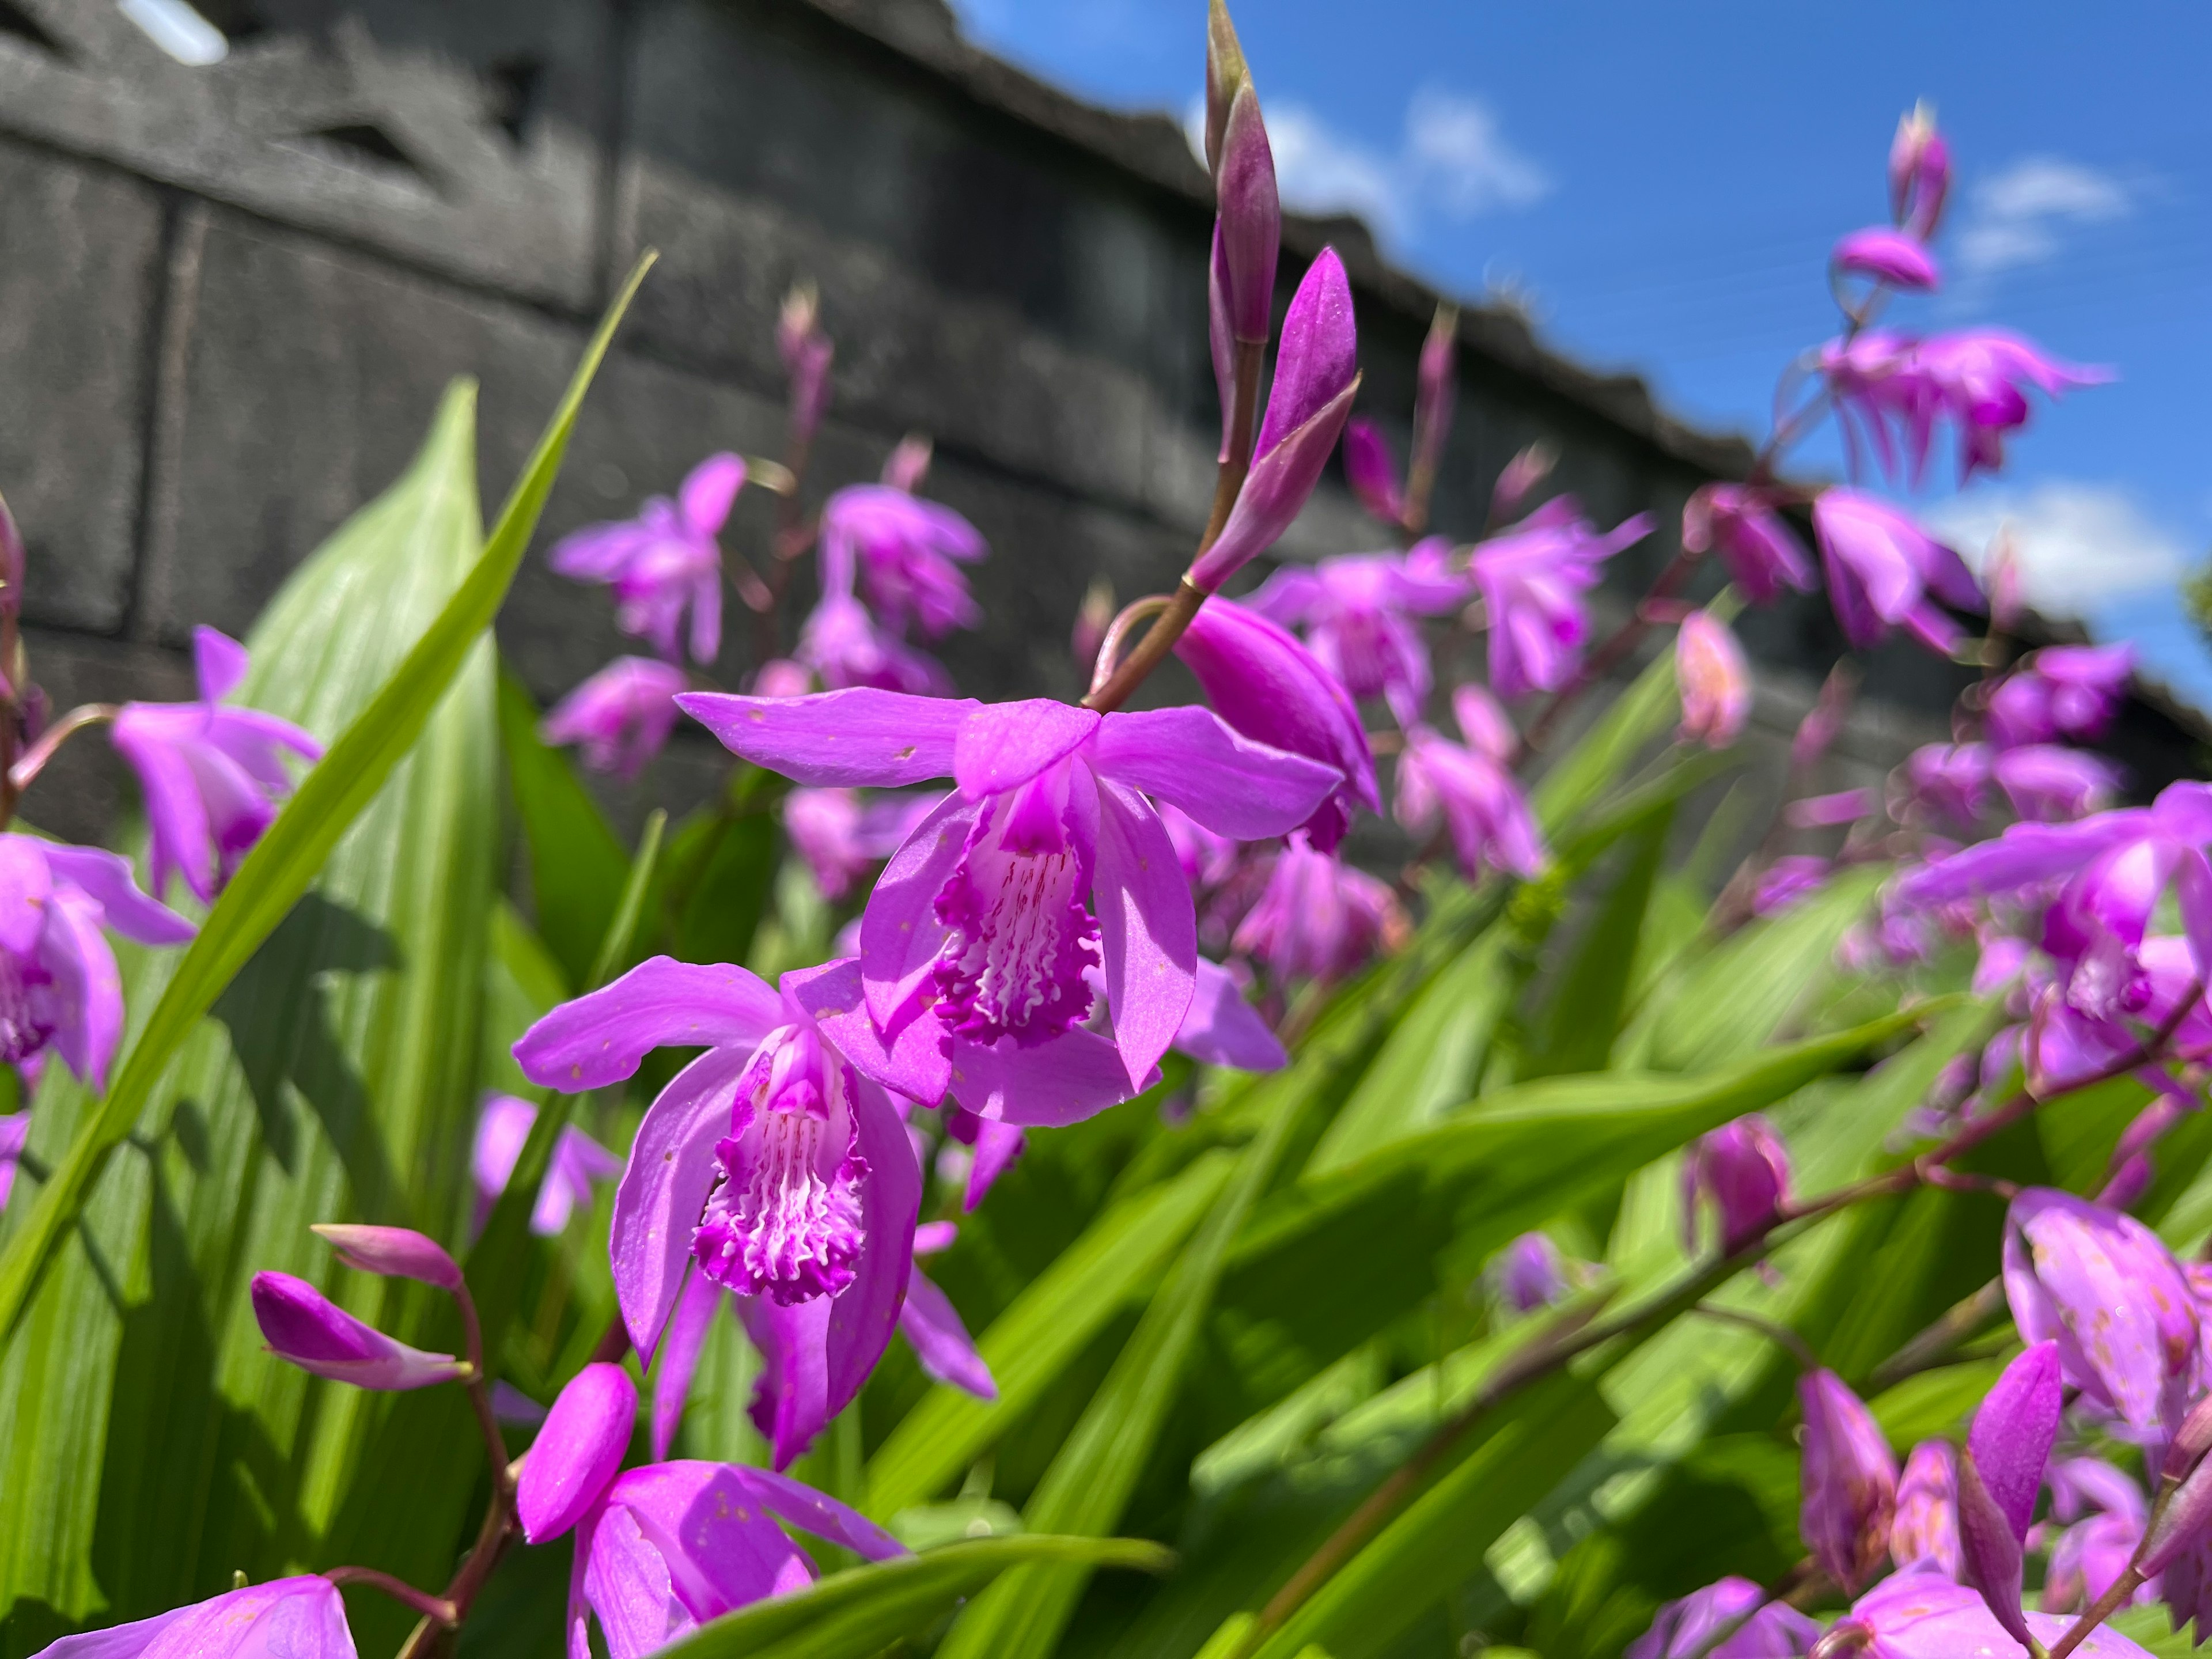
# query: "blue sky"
[1661,185]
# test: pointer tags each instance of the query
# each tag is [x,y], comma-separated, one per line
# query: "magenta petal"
[821,1515]
[1004,745]
[719,1551]
[708,490]
[600,1037]
[1317,355]
[26,880]
[84,983]
[678,1358]
[576,1452]
[941,1342]
[626,1579]
[307,1329]
[176,818]
[220,661]
[857,736]
[393,1251]
[2193,887]
[664,1189]
[1074,1076]
[900,933]
[911,1063]
[1222,1028]
[862,1318]
[1147,929]
[2013,1433]
[1990,1553]
[1887,256]
[1278,487]
[791,1400]
[106,877]
[1192,759]
[997,1146]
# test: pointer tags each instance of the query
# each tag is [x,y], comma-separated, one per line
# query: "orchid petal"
[75,955]
[941,1342]
[26,883]
[627,1581]
[857,736]
[577,1451]
[705,1520]
[601,1037]
[997,1146]
[1004,745]
[107,878]
[900,933]
[219,661]
[1148,930]
[1074,1076]
[2011,1438]
[1222,1028]
[820,1514]
[663,1191]
[1192,759]
[790,1402]
[912,1063]
[709,489]
[678,1358]
[862,1318]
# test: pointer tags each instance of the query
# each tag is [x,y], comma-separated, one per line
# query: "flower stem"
[435,1609]
[1780,1335]
[34,759]
[1151,651]
[1109,648]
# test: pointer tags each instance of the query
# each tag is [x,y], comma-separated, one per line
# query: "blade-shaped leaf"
[576,861]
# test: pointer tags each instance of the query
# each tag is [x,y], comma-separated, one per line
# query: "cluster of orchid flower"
[1031,950]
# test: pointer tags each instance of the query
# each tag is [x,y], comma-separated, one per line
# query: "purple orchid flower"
[1469,787]
[2047,784]
[1893,257]
[59,989]
[1999,1475]
[1849,1481]
[1318,918]
[843,646]
[1923,1615]
[1979,374]
[1790,878]
[1762,553]
[766,1168]
[807,352]
[905,555]
[1714,680]
[621,717]
[306,1328]
[843,838]
[974,941]
[1269,687]
[1532,579]
[1924,1535]
[211,774]
[2060,691]
[15,1135]
[1317,376]
[1763,1629]
[503,1125]
[1371,472]
[662,1549]
[1358,612]
[664,561]
[301,1617]
[1744,1169]
[1529,1274]
[2108,1292]
[1882,567]
[1919,173]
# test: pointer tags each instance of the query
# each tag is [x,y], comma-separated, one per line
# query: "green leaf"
[278,869]
[576,860]
[1592,986]
[859,1614]
[1029,1346]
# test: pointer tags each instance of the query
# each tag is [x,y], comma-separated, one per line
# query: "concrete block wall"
[229,297]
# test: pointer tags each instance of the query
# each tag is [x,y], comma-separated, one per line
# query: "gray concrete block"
[80,267]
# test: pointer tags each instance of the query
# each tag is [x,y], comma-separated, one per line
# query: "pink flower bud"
[1529,1273]
[806,353]
[1528,469]
[1371,473]
[1849,1479]
[577,1452]
[1744,1171]
[1091,622]
[907,463]
[1225,73]
[1999,1476]
[305,1327]
[1317,375]
[1919,172]
[1251,219]
[1715,680]
[1886,256]
[11,564]
[1925,1532]
[394,1252]
[1432,395]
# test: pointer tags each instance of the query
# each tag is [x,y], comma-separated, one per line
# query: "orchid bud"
[1221,338]
[1225,74]
[1743,1168]
[2107,1290]
[1886,256]
[1762,553]
[1371,473]
[1824,719]
[1919,172]
[908,464]
[1849,1478]
[1251,219]
[577,1452]
[12,560]
[1433,407]
[394,1252]
[2180,1523]
[306,1328]
[1528,469]
[1092,619]
[1715,680]
[2191,1441]
[1317,376]
[1529,1273]
[1925,1532]
[2001,577]
[2009,1444]
[1269,687]
[806,353]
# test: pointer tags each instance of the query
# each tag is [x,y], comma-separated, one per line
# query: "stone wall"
[229,296]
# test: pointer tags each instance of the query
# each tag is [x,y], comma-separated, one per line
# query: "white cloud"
[1452,160]
[2080,545]
[2016,217]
